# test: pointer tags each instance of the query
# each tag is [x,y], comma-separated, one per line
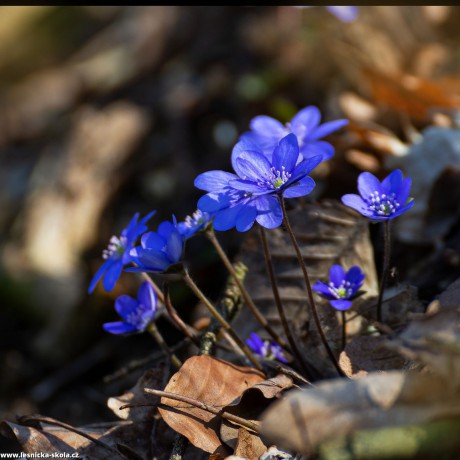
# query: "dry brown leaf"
[214,382]
[328,233]
[34,440]
[434,340]
[153,378]
[364,354]
[250,406]
[304,419]
[248,445]
[109,442]
[410,94]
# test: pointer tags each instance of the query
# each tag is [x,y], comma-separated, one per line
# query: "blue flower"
[267,132]
[137,313]
[158,250]
[194,223]
[240,199]
[380,201]
[265,348]
[117,253]
[342,287]
[345,13]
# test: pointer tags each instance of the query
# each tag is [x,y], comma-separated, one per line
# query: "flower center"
[383,205]
[344,291]
[276,179]
[137,318]
[117,246]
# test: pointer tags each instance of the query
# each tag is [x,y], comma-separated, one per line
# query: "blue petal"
[269,213]
[268,127]
[355,276]
[305,121]
[165,229]
[305,166]
[402,193]
[246,217]
[245,144]
[256,343]
[326,128]
[102,269]
[145,219]
[356,202]
[341,304]
[119,327]
[146,296]
[112,275]
[150,259]
[213,202]
[175,246]
[125,306]
[301,188]
[367,184]
[247,186]
[336,275]
[253,166]
[402,210]
[323,148]
[346,13]
[131,226]
[152,240]
[286,154]
[323,289]
[392,182]
[226,218]
[213,181]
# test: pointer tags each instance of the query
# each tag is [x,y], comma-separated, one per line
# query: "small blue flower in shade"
[265,348]
[117,253]
[158,250]
[137,313]
[240,199]
[380,201]
[342,288]
[193,224]
[267,132]
[345,13]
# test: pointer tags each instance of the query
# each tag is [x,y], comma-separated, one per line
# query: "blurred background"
[108,111]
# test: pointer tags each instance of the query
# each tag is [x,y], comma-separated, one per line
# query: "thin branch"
[206,407]
[247,298]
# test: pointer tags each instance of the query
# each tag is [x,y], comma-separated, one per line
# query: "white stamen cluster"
[276,179]
[137,319]
[196,219]
[117,245]
[344,291]
[383,205]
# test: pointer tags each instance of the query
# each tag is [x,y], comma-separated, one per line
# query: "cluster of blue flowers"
[271,162]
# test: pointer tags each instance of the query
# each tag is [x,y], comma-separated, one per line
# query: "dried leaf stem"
[206,407]
[309,289]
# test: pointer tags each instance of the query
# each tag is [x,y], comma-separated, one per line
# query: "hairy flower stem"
[152,283]
[226,326]
[386,266]
[152,328]
[344,330]
[187,330]
[279,303]
[309,290]
[247,298]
